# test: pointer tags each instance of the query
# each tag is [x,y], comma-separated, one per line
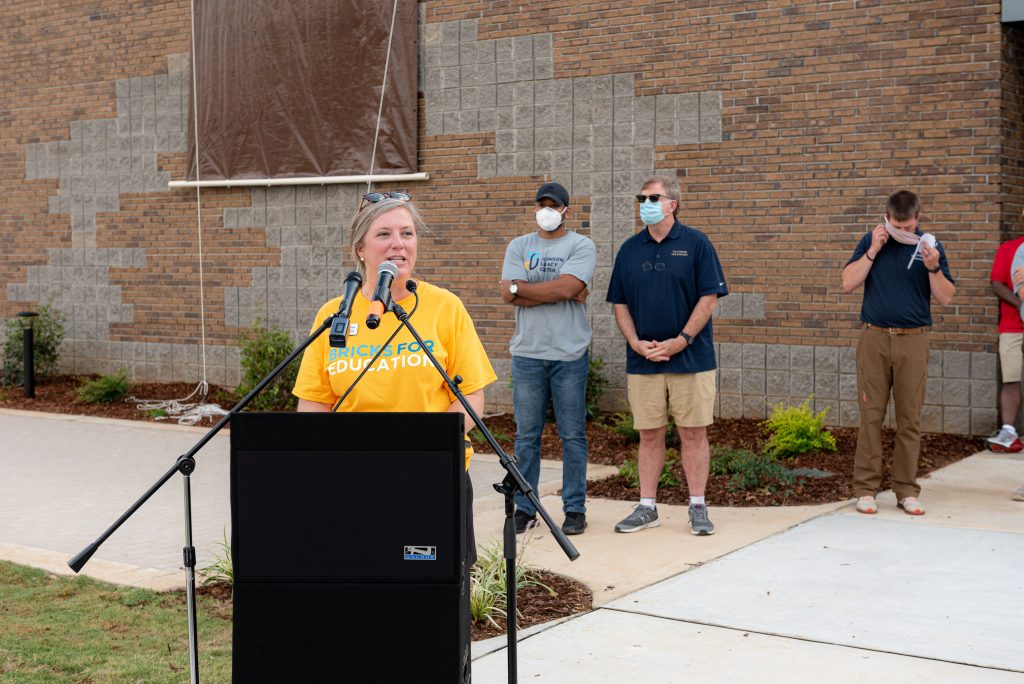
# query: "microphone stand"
[513,482]
[186,465]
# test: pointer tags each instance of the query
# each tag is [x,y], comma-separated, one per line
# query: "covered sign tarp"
[292,89]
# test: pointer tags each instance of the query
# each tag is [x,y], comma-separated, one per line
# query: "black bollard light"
[28,356]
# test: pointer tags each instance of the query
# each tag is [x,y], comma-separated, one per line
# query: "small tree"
[262,350]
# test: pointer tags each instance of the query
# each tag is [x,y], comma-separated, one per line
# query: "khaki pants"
[898,363]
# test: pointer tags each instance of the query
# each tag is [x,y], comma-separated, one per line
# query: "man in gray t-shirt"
[546,278]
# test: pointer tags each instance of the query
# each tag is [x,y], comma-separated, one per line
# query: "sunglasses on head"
[656,197]
[374,197]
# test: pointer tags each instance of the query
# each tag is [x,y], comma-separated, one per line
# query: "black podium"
[348,536]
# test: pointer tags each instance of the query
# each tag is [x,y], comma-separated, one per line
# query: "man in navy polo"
[666,282]
[901,270]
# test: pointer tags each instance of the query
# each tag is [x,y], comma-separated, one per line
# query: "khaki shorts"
[691,397]
[1009,355]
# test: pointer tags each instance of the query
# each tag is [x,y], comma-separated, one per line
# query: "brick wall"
[787,124]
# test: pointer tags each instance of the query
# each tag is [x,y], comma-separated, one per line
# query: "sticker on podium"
[420,553]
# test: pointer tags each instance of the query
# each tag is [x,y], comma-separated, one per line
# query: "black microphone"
[381,302]
[339,327]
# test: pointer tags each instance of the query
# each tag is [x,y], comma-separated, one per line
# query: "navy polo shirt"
[661,284]
[896,296]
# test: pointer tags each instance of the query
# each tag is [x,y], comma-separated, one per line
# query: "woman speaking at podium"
[402,378]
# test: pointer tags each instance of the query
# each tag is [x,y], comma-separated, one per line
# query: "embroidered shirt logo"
[680,252]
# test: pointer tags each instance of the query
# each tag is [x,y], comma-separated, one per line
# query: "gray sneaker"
[699,523]
[641,517]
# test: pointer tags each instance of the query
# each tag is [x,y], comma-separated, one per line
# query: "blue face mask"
[651,213]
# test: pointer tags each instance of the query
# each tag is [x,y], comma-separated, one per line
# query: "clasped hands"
[659,351]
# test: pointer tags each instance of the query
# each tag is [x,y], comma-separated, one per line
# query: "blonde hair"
[365,217]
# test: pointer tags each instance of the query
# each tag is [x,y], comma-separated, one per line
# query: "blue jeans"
[534,382]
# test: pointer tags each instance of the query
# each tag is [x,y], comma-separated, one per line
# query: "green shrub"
[221,570]
[596,384]
[488,582]
[748,470]
[622,422]
[104,389]
[48,335]
[262,350]
[630,470]
[795,430]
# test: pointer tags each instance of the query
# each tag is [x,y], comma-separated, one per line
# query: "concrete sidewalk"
[816,593]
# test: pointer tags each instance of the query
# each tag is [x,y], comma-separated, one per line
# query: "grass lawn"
[78,630]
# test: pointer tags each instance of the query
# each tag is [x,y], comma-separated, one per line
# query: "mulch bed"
[611,448]
[536,604]
[59,394]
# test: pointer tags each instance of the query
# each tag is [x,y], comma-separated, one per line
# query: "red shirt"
[1009,317]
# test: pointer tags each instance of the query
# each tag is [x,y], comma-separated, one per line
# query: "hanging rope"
[185,412]
[380,105]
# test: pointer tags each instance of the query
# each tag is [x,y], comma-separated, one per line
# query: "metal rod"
[29,363]
[306,180]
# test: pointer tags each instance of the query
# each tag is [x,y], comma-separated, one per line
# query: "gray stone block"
[801,384]
[849,414]
[956,420]
[711,117]
[847,360]
[753,306]
[467,30]
[602,87]
[956,392]
[826,359]
[731,355]
[449,33]
[777,383]
[933,393]
[984,421]
[826,385]
[776,356]
[524,163]
[730,381]
[848,386]
[505,72]
[753,381]
[755,407]
[488,119]
[830,407]
[801,356]
[983,366]
[956,364]
[730,406]
[523,116]
[754,356]
[983,394]
[486,165]
[543,69]
[522,48]
[523,70]
[730,306]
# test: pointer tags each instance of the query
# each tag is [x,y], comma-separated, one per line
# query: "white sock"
[647,502]
[1009,428]
[696,500]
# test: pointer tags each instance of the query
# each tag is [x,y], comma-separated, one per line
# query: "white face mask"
[549,219]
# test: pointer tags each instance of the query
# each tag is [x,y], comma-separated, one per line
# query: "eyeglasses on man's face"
[374,197]
[657,266]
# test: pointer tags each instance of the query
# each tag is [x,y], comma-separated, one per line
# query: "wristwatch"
[936,269]
[513,289]
[686,336]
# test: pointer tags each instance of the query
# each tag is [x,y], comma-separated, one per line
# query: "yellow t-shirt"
[402,379]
